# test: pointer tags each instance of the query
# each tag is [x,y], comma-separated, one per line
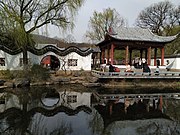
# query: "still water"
[76,110]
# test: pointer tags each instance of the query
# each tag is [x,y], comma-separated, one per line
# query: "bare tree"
[20,18]
[69,38]
[101,22]
[159,16]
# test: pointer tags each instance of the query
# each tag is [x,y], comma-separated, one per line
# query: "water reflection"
[50,98]
[65,110]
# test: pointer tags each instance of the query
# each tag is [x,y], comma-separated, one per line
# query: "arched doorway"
[51,62]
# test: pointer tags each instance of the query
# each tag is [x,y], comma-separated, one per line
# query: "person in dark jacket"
[146,68]
[111,68]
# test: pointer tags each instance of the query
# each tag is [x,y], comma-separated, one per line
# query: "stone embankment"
[87,80]
[24,82]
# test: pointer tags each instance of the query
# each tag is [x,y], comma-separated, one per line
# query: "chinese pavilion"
[130,39]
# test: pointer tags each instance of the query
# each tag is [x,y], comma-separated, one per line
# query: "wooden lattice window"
[72,62]
[72,98]
[2,61]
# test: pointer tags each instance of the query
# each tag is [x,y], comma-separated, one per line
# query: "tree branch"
[46,15]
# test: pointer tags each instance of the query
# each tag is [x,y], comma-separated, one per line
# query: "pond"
[76,110]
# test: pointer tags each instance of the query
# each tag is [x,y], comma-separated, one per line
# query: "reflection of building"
[69,99]
[62,101]
[75,99]
[8,101]
[125,113]
[130,107]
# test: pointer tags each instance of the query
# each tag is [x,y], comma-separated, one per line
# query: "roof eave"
[172,38]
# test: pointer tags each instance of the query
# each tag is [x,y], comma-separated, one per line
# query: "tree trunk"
[25,59]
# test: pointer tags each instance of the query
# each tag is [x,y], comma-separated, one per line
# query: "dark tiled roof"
[140,34]
[47,40]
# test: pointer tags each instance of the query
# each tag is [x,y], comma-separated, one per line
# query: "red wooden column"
[112,54]
[103,55]
[155,56]
[126,55]
[162,56]
[108,54]
[130,56]
[100,56]
[149,56]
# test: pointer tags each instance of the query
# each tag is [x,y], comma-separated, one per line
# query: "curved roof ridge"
[174,36]
[140,34]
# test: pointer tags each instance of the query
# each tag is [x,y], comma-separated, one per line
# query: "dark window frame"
[72,62]
[2,61]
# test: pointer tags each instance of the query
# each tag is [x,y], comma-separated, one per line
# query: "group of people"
[113,68]
[141,64]
[145,68]
[129,69]
[137,63]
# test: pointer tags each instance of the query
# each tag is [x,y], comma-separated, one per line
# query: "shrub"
[37,72]
[7,74]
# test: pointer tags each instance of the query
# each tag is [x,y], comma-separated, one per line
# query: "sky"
[128,9]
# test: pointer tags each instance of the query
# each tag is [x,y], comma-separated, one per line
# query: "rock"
[2,82]
[22,82]
[92,84]
[64,79]
[93,79]
[77,74]
[9,84]
[49,83]
[78,78]
[38,83]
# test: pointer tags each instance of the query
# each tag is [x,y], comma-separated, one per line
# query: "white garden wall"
[12,62]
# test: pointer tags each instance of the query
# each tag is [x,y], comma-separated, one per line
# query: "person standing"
[111,68]
[146,68]
[140,63]
[143,62]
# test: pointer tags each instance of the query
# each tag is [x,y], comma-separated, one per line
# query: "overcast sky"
[128,9]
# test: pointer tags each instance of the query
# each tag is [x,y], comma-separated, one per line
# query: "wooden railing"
[136,96]
[101,74]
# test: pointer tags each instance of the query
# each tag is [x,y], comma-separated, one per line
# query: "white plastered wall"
[12,62]
[82,63]
[177,63]
[173,62]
